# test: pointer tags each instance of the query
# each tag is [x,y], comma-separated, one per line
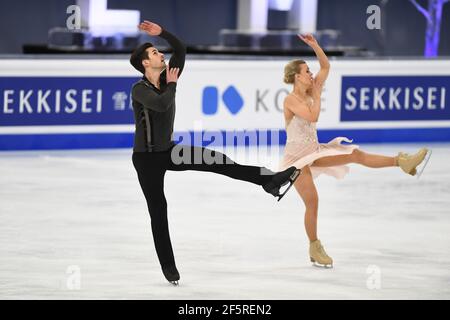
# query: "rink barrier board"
[125,140]
[93,95]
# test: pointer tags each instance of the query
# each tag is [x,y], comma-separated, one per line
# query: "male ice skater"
[154,152]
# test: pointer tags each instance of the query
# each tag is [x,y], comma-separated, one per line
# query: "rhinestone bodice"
[301,131]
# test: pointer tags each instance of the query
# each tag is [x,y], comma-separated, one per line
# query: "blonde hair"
[291,69]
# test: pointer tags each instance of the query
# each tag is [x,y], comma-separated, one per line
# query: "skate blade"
[322,266]
[174,283]
[425,162]
[291,182]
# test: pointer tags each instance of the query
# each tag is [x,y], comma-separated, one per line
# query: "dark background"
[198,22]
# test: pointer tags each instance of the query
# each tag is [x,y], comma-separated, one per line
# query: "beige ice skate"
[408,163]
[318,255]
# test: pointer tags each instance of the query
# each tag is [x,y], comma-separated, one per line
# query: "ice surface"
[85,209]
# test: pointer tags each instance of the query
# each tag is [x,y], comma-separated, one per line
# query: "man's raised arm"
[179,49]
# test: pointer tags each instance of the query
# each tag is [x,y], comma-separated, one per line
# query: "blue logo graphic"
[384,98]
[31,101]
[231,98]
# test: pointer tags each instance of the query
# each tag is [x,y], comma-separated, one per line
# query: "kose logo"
[231,98]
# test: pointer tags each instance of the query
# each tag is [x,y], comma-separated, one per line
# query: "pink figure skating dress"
[303,148]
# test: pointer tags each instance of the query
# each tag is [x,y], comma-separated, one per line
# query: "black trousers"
[151,168]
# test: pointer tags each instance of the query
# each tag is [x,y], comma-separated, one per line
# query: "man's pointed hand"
[150,28]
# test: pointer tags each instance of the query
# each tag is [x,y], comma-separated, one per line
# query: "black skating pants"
[151,168]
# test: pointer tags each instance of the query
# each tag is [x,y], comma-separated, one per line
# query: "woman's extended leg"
[357,156]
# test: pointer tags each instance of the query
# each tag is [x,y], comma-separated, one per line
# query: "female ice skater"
[154,152]
[303,150]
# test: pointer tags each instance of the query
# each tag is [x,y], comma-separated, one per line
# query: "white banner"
[246,95]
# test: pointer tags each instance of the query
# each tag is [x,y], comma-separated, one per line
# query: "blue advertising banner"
[385,98]
[31,101]
[47,104]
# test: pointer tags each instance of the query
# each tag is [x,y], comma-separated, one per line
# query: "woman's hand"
[322,75]
[150,28]
[309,40]
[172,74]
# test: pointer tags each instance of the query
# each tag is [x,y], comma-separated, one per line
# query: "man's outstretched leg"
[202,159]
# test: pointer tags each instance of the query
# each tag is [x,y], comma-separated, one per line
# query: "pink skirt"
[300,155]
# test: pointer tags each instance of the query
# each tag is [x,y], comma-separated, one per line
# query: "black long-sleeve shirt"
[160,103]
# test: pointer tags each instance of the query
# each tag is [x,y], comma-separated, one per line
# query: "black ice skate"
[281,179]
[171,274]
